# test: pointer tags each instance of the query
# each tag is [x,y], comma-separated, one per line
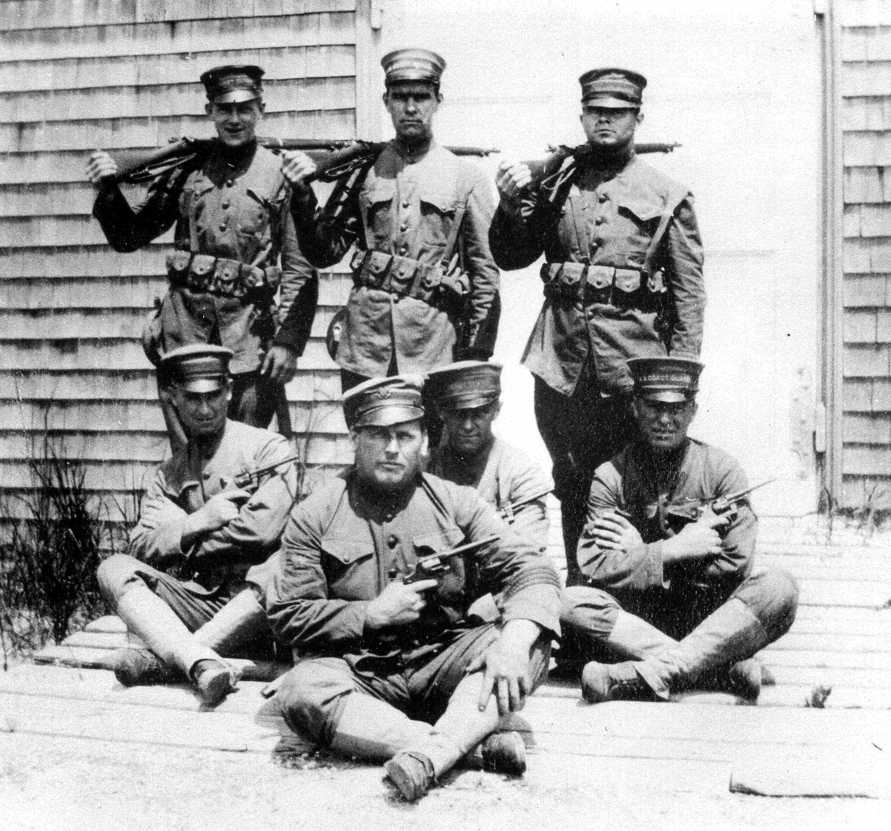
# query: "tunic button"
[599,221]
[230,182]
[403,227]
[225,203]
[602,198]
[405,203]
[222,226]
[392,541]
[403,250]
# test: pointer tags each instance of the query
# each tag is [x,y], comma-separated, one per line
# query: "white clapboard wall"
[116,75]
[865,86]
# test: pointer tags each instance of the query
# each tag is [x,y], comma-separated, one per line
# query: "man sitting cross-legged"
[406,672]
[193,588]
[670,589]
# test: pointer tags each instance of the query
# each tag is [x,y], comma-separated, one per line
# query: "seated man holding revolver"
[392,668]
[668,552]
[210,519]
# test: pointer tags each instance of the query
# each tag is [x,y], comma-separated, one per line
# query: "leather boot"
[158,627]
[411,773]
[742,679]
[729,634]
[462,727]
[504,753]
[213,681]
[613,682]
[139,667]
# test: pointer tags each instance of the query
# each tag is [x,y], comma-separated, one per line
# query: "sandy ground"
[52,783]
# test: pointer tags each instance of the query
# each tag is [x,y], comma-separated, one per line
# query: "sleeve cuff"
[539,604]
[169,541]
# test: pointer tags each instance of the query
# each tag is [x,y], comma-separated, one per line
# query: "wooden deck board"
[616,755]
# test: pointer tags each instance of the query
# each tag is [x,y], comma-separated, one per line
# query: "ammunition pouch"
[405,277]
[624,288]
[218,275]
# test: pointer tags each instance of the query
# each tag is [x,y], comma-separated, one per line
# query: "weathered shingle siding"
[865,86]
[123,75]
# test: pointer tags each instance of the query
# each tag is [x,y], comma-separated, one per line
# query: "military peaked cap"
[464,385]
[670,380]
[198,367]
[233,83]
[612,88]
[382,402]
[413,65]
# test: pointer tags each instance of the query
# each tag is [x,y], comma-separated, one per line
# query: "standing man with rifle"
[668,553]
[622,278]
[425,287]
[467,397]
[390,666]
[235,249]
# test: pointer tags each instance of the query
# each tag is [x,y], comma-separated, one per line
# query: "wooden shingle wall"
[101,73]
[866,123]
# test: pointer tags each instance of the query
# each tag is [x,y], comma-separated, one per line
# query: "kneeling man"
[197,554]
[672,587]
[412,673]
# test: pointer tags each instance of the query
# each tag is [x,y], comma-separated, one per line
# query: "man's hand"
[615,532]
[296,167]
[510,179]
[505,666]
[280,364]
[101,167]
[217,512]
[695,541]
[397,604]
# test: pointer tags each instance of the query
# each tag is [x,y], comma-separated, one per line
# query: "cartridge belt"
[407,277]
[218,275]
[612,285]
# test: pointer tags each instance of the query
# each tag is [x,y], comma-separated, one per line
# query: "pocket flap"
[443,199]
[346,551]
[627,280]
[380,190]
[643,209]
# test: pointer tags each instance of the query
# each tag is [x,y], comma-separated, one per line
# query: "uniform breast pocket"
[437,216]
[376,201]
[637,221]
[192,198]
[253,215]
[350,569]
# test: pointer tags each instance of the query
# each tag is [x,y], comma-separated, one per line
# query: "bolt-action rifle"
[333,157]
[550,164]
